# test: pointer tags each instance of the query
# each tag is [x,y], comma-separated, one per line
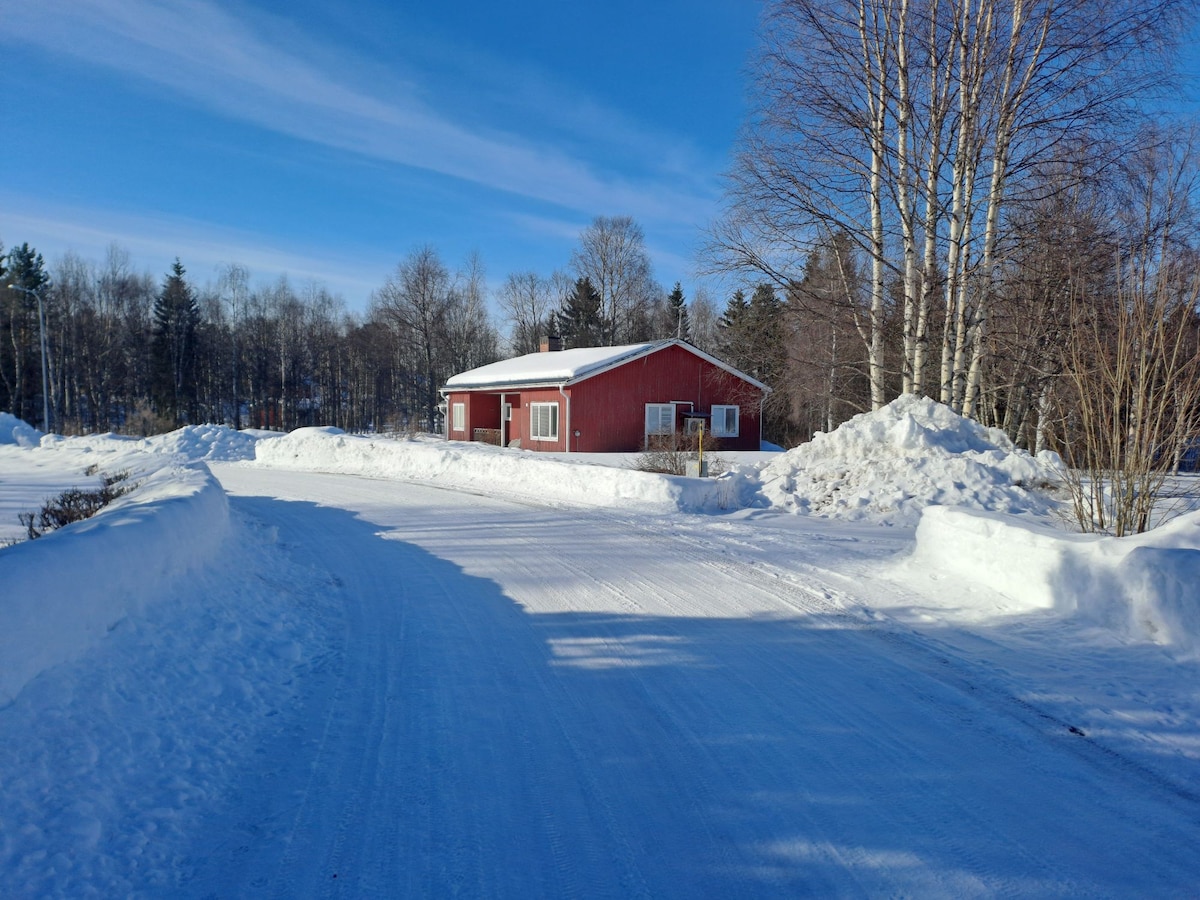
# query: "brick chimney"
[550,344]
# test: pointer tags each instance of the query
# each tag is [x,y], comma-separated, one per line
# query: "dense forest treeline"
[134,353]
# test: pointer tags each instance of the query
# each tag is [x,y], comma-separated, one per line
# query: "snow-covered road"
[492,699]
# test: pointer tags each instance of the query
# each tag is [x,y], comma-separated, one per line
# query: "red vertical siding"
[608,411]
[451,433]
[480,411]
[522,412]
[483,411]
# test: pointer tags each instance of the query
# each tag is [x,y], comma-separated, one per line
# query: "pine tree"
[173,347]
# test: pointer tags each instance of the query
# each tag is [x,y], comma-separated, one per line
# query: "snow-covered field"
[328,665]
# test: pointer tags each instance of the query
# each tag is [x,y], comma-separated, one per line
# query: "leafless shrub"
[75,505]
[1130,402]
[669,454]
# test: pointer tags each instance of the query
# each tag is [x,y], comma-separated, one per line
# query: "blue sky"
[328,140]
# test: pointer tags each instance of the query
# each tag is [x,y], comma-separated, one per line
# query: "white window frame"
[720,420]
[662,414]
[543,421]
[458,417]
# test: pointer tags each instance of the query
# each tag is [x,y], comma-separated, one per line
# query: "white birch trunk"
[939,99]
[1011,99]
[875,68]
[905,199]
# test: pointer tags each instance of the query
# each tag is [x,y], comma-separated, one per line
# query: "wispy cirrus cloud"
[244,68]
[567,230]
[154,240]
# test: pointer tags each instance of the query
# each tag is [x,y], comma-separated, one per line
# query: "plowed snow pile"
[15,432]
[205,442]
[887,466]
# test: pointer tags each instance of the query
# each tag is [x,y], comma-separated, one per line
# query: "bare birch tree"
[416,298]
[913,126]
[612,255]
[527,301]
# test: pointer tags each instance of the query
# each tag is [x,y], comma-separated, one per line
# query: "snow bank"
[511,473]
[882,467]
[64,592]
[15,431]
[205,442]
[887,466]
[1143,587]
[192,443]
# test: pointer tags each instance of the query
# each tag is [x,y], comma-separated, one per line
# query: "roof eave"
[503,386]
[608,366]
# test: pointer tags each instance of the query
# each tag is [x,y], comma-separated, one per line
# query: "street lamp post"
[42,339]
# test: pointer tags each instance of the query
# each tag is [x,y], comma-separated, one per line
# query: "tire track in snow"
[797,597]
[949,669]
[802,751]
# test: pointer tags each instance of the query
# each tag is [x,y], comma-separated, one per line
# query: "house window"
[660,418]
[543,421]
[507,412]
[458,413]
[725,421]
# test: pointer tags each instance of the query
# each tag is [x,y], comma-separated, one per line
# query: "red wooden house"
[605,399]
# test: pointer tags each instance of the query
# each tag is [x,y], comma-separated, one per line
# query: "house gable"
[609,408]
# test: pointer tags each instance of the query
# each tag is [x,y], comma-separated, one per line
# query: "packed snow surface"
[358,666]
[888,466]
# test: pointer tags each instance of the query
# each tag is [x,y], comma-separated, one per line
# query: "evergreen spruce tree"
[734,338]
[27,269]
[580,320]
[751,337]
[173,348]
[765,323]
[679,313]
[20,333]
[768,359]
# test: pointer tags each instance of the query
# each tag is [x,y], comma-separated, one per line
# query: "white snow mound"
[195,443]
[190,444]
[65,591]
[887,466]
[14,431]
[1141,587]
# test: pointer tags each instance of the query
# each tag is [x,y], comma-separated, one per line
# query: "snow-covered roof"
[557,367]
[562,367]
